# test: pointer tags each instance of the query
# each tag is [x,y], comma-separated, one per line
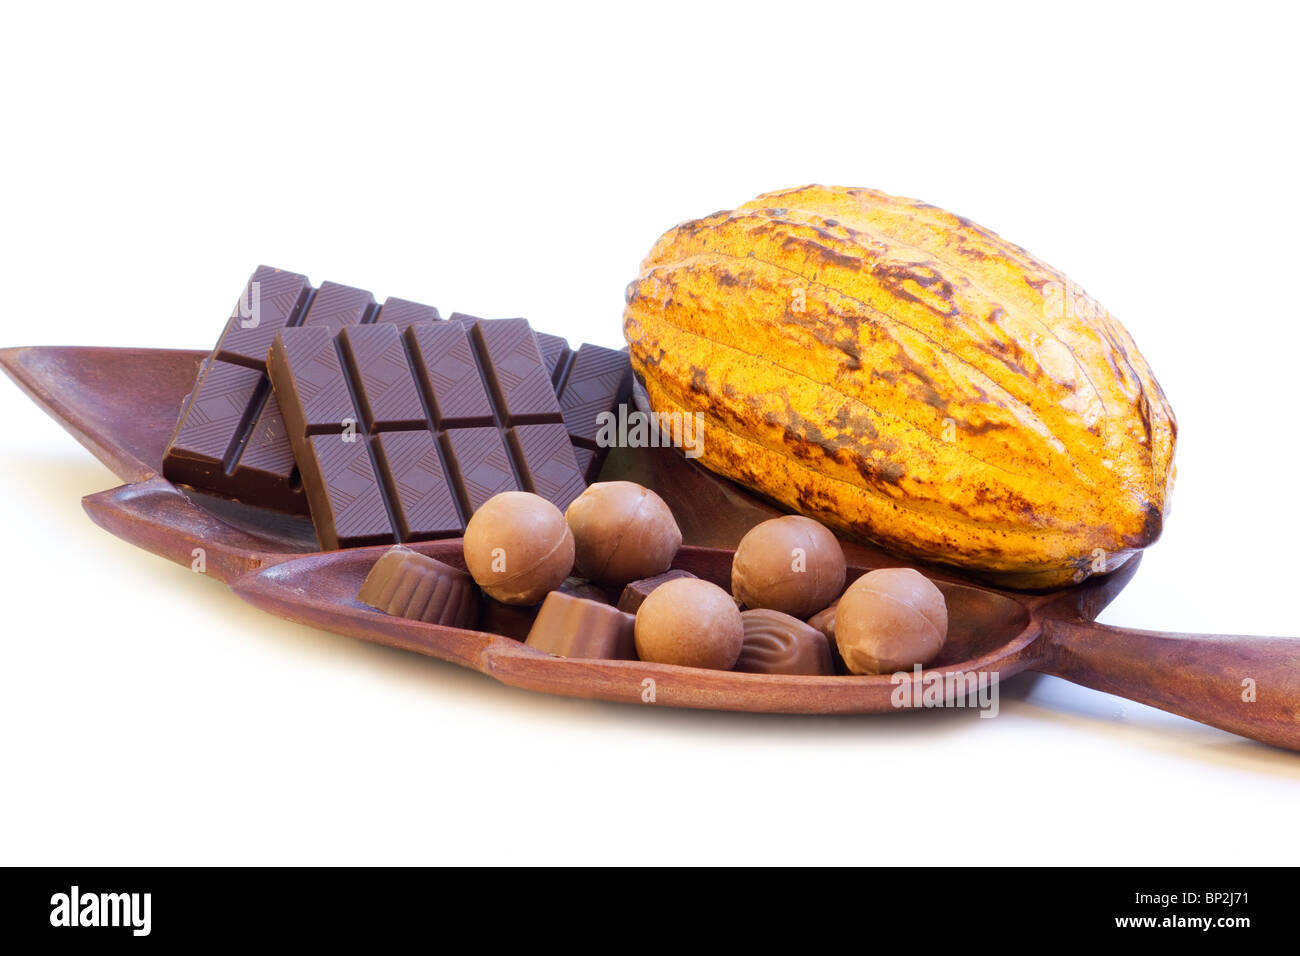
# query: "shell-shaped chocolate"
[776,643]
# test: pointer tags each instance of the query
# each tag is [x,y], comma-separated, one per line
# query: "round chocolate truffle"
[690,622]
[889,620]
[790,564]
[518,547]
[622,532]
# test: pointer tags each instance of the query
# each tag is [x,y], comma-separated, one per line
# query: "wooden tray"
[122,404]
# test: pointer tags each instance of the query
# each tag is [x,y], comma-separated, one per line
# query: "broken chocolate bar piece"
[589,382]
[569,626]
[634,594]
[231,436]
[405,583]
[403,436]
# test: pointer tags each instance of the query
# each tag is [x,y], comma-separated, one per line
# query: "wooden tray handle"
[1247,685]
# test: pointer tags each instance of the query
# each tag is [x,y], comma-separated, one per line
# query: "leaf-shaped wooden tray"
[122,405]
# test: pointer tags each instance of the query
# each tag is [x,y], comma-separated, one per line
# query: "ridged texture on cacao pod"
[909,378]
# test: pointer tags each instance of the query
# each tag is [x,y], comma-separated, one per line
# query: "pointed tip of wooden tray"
[121,404]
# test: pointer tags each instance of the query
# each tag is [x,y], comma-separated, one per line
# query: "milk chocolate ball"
[889,620]
[518,547]
[622,532]
[690,622]
[790,564]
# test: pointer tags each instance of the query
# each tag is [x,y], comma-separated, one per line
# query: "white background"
[521,160]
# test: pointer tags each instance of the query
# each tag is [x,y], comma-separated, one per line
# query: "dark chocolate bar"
[231,437]
[588,382]
[403,436]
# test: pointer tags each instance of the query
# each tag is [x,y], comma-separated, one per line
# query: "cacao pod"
[908,378]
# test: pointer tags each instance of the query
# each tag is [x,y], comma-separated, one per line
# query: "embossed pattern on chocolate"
[776,643]
[589,381]
[375,418]
[231,437]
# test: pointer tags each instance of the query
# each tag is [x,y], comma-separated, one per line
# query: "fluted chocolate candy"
[569,626]
[791,564]
[889,620]
[635,593]
[408,584]
[518,547]
[776,643]
[621,532]
[690,622]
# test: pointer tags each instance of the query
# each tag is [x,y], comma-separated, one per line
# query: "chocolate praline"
[889,620]
[622,531]
[690,622]
[791,564]
[569,626]
[518,547]
[405,583]
[776,643]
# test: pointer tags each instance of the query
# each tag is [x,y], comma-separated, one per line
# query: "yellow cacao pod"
[909,378]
